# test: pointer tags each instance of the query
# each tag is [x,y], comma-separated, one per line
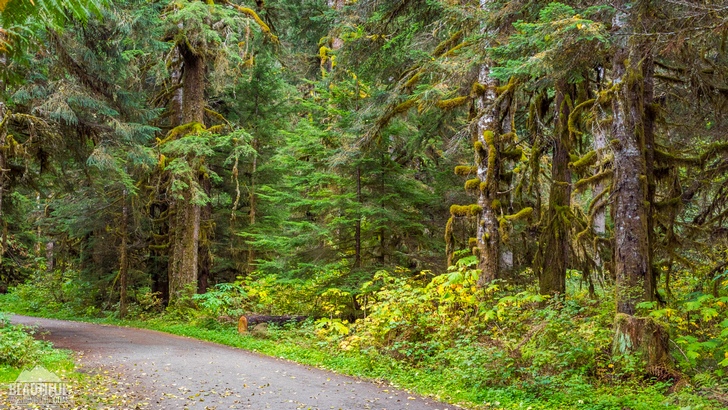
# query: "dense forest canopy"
[327,157]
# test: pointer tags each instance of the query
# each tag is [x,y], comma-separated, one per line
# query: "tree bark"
[553,272]
[123,257]
[3,166]
[184,259]
[632,250]
[487,128]
[633,147]
[357,227]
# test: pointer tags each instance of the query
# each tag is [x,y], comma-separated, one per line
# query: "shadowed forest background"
[528,198]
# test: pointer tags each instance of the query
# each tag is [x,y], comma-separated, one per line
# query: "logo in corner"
[38,386]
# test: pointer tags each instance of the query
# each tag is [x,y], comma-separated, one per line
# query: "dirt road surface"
[173,372]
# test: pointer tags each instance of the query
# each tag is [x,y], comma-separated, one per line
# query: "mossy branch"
[575,115]
[520,215]
[472,184]
[182,130]
[465,210]
[593,180]
[667,158]
[465,170]
[586,161]
[447,44]
[452,103]
[263,26]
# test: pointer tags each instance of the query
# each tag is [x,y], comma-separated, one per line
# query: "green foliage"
[561,42]
[225,299]
[18,348]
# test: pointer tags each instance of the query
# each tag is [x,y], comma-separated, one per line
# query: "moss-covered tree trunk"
[631,207]
[488,164]
[3,167]
[632,143]
[185,211]
[552,280]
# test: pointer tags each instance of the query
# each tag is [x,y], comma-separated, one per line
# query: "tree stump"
[649,339]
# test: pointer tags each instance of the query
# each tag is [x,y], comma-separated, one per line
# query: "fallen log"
[252,320]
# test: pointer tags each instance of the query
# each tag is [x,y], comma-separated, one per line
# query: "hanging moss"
[508,137]
[582,163]
[575,115]
[670,203]
[593,180]
[465,170]
[522,214]
[452,103]
[666,158]
[472,184]
[713,150]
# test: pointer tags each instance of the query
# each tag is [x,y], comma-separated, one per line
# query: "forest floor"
[171,372]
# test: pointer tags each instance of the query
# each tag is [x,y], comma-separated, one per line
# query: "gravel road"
[173,372]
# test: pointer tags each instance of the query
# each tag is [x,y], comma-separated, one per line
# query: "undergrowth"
[502,346]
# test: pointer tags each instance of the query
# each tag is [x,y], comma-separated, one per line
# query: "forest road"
[173,372]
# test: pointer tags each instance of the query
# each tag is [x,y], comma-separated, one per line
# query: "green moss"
[404,106]
[593,180]
[495,204]
[465,210]
[522,214]
[472,242]
[447,44]
[512,154]
[414,79]
[459,210]
[191,128]
[488,136]
[452,103]
[465,170]
[472,184]
[478,89]
[587,160]
[666,158]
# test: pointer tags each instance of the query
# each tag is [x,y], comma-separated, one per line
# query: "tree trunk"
[123,257]
[3,166]
[632,145]
[487,160]
[183,271]
[553,272]
[632,250]
[357,228]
